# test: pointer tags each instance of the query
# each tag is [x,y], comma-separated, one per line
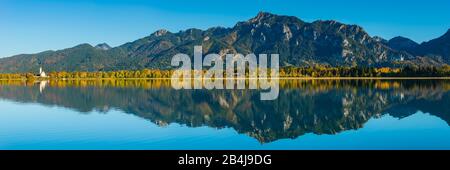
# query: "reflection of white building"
[42,85]
[42,73]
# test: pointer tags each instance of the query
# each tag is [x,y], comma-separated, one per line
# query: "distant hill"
[103,46]
[403,44]
[436,50]
[299,43]
[439,47]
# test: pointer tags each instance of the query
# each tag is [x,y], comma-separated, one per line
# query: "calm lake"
[150,114]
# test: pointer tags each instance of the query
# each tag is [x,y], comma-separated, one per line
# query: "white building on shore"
[42,73]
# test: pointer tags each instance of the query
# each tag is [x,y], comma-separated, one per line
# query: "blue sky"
[30,26]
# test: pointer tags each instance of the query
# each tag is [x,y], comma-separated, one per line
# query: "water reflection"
[303,106]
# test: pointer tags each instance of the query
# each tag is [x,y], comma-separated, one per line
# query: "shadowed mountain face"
[437,49]
[299,43]
[303,106]
[403,44]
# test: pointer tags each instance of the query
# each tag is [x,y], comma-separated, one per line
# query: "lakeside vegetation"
[314,85]
[285,72]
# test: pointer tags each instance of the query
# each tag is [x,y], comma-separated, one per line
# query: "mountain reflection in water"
[303,106]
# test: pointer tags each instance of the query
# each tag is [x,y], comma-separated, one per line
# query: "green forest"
[286,72]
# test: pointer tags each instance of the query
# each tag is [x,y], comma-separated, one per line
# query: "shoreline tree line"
[288,72]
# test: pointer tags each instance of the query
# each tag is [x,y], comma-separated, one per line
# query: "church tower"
[42,73]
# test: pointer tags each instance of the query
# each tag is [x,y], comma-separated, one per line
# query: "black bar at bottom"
[227,159]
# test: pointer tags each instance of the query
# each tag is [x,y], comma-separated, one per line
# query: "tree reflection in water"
[303,106]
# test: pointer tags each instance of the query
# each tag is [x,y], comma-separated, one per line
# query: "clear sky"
[30,26]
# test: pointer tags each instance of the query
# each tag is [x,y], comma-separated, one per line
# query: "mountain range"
[299,43]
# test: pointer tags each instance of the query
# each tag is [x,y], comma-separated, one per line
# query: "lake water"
[149,114]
